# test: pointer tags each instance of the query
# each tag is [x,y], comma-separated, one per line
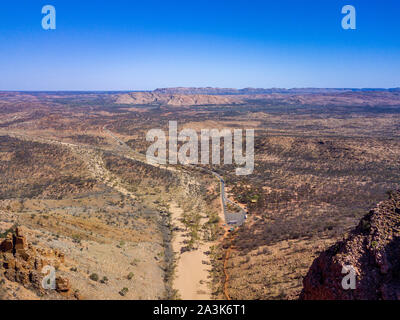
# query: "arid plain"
[75,181]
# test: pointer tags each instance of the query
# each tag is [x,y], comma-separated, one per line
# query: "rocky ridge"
[373,251]
[175,99]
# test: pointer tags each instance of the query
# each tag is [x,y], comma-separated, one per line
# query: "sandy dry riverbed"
[191,276]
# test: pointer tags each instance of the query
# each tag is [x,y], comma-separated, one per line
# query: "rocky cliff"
[23,263]
[191,97]
[138,98]
[372,251]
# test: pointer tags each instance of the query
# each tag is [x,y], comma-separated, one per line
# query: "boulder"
[19,232]
[23,254]
[19,243]
[9,261]
[62,284]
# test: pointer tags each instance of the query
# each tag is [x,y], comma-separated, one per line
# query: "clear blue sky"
[132,45]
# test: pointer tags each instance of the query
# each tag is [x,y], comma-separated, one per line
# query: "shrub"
[104,280]
[76,238]
[365,225]
[124,291]
[135,262]
[94,277]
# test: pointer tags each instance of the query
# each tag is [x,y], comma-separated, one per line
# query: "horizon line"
[218,88]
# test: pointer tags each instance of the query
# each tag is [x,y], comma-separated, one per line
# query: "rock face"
[218,96]
[20,262]
[7,244]
[175,99]
[373,252]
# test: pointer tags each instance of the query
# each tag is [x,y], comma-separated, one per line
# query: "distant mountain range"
[253,91]
[225,96]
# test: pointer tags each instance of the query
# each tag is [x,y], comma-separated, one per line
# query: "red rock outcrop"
[372,250]
[20,262]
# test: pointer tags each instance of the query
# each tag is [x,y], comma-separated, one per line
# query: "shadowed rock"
[372,250]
